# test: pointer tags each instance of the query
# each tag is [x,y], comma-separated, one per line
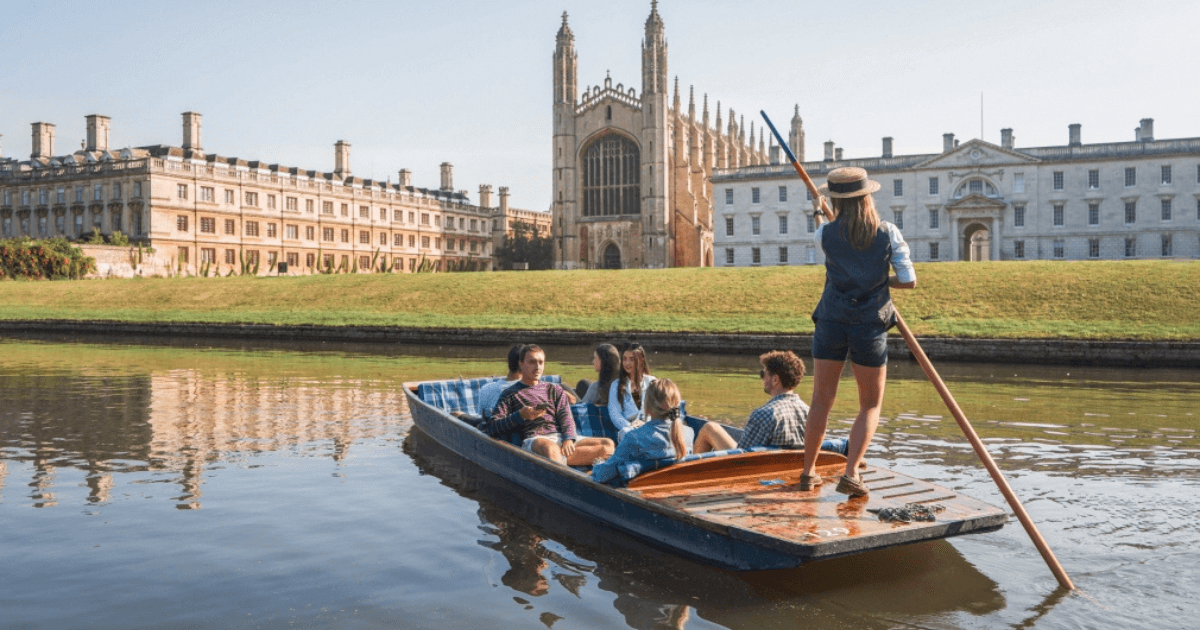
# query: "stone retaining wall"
[1184,354]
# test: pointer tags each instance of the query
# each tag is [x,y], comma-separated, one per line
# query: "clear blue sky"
[414,84]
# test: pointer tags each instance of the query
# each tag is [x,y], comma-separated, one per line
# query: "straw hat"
[849,181]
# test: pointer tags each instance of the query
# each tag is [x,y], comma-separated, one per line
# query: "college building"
[200,210]
[981,201]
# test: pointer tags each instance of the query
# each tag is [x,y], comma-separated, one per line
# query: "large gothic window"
[611,177]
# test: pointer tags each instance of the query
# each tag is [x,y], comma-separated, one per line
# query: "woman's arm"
[906,276]
[618,411]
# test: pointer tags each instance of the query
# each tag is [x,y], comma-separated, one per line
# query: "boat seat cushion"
[461,395]
[593,421]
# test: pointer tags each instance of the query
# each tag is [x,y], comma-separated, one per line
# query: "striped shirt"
[780,422]
[556,419]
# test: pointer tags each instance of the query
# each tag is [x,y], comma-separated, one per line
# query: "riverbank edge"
[1175,354]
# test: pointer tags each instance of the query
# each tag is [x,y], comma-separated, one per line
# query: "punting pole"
[948,398]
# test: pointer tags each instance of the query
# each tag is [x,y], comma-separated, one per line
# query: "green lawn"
[1092,300]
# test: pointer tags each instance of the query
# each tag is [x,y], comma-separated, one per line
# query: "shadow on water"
[545,544]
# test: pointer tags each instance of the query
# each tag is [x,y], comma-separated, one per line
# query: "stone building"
[632,172]
[982,201]
[198,209]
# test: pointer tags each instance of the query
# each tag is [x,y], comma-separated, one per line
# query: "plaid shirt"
[780,422]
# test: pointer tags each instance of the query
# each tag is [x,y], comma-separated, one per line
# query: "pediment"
[978,154]
[977,202]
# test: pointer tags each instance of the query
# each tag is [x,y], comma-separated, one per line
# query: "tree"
[525,246]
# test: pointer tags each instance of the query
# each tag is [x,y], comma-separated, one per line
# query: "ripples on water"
[145,486]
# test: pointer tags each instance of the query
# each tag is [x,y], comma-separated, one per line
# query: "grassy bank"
[1092,300]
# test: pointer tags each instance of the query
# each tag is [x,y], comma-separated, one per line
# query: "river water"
[188,484]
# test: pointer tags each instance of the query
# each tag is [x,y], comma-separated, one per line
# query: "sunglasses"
[763,373]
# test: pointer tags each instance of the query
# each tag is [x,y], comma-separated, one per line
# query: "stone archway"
[976,243]
[612,256]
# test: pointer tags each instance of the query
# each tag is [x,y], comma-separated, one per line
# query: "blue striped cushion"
[461,395]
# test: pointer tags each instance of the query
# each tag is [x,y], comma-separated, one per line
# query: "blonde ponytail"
[662,401]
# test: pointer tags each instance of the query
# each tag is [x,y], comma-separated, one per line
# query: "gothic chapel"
[632,173]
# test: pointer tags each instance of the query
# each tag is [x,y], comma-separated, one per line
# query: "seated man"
[489,395]
[542,411]
[780,422]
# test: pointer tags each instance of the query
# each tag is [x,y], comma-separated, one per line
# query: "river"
[183,483]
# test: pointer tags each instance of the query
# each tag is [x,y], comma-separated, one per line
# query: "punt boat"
[737,510]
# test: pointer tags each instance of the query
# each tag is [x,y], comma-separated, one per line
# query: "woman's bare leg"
[871,382]
[588,450]
[825,385]
[713,437]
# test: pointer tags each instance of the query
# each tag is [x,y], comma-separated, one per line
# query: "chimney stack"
[1075,134]
[503,199]
[43,140]
[341,158]
[97,132]
[829,151]
[191,131]
[485,196]
[447,177]
[837,154]
[1147,130]
[948,142]
[887,147]
[405,178]
[776,155]
[1006,138]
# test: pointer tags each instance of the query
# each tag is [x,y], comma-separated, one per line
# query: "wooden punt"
[743,512]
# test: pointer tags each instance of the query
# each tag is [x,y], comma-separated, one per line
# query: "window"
[1019,249]
[783,256]
[412,240]
[293,259]
[1166,245]
[1130,247]
[397,240]
[364,212]
[398,216]
[1166,174]
[7,197]
[424,218]
[345,213]
[610,177]
[450,244]
[252,256]
[252,228]
[898,218]
[1130,212]
[271,230]
[1166,209]
[933,251]
[310,259]
[291,232]
[183,254]
[208,225]
[1094,178]
[1058,180]
[755,226]
[116,191]
[251,199]
[181,191]
[807,194]
[345,236]
[934,218]
[230,256]
[327,234]
[310,233]
[206,193]
[410,217]
[933,185]
[783,193]
[230,226]
[292,204]
[810,223]
[383,214]
[1019,182]
[326,207]
[754,195]
[1058,215]
[383,239]
[1093,214]
[208,255]
[474,246]
[728,226]
[1093,248]
[181,223]
[271,202]
[1130,176]
[364,262]
[43,197]
[229,197]
[783,224]
[1059,248]
[364,237]
[137,190]
[728,196]
[98,192]
[308,207]
[1198,208]
[897,187]
[449,223]
[474,224]
[398,264]
[755,256]
[425,242]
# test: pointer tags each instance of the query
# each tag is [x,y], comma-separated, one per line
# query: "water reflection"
[543,545]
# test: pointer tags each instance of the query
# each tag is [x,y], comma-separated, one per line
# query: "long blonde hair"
[859,220]
[662,401]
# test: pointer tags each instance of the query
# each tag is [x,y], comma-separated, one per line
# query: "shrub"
[53,259]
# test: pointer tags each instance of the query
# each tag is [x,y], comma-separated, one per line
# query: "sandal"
[852,487]
[810,482]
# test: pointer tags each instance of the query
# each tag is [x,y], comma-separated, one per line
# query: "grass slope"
[1094,300]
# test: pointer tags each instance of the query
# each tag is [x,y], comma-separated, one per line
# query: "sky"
[414,84]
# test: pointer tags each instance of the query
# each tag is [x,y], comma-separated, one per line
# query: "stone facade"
[981,201]
[632,173]
[200,210]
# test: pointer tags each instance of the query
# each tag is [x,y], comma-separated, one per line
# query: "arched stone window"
[611,177]
[612,257]
[976,187]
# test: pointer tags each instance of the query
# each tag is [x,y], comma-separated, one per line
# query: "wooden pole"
[951,404]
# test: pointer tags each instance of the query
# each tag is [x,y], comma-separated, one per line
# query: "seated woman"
[606,360]
[625,395]
[664,436]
